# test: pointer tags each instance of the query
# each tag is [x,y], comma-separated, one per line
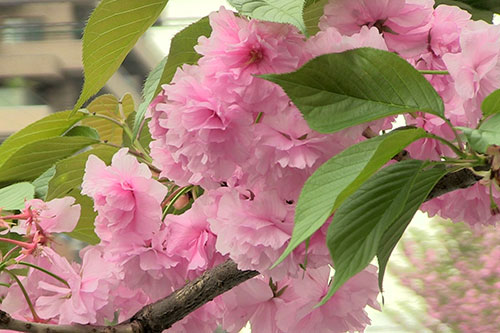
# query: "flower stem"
[57,277]
[26,296]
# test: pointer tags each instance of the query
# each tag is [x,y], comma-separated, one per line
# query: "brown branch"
[156,317]
[7,322]
[453,181]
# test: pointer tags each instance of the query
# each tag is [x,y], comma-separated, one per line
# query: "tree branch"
[453,181]
[156,317]
[7,322]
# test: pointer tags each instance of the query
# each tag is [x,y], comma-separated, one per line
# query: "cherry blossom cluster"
[219,127]
[458,280]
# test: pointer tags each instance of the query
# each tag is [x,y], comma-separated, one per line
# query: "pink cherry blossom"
[253,301]
[447,24]
[126,197]
[470,205]
[204,320]
[343,312]
[254,229]
[404,23]
[191,238]
[203,138]
[239,45]
[476,69]
[57,215]
[86,294]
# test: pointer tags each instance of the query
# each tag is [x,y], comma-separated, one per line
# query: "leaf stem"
[455,149]
[98,115]
[175,198]
[433,72]
[137,144]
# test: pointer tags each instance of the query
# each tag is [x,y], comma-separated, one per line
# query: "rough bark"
[453,181]
[156,317]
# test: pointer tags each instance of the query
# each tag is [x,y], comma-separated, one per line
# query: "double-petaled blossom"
[127,199]
[404,23]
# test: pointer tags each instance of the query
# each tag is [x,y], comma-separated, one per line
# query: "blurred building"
[40,60]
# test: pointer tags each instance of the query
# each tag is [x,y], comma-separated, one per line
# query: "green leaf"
[85,131]
[491,104]
[69,172]
[182,49]
[181,52]
[149,93]
[358,225]
[281,11]
[144,137]
[84,230]
[480,140]
[111,32]
[127,106]
[51,126]
[492,5]
[340,90]
[486,135]
[41,184]
[6,247]
[425,182]
[484,13]
[13,197]
[33,159]
[105,105]
[312,13]
[339,177]
[491,124]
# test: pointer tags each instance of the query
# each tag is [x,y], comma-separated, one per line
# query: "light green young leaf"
[312,13]
[491,124]
[49,127]
[358,225]
[281,11]
[13,197]
[105,105]
[486,135]
[181,52]
[41,184]
[84,229]
[86,131]
[182,49]
[339,177]
[127,105]
[111,32]
[150,86]
[340,90]
[33,159]
[69,172]
[491,104]
[425,182]
[480,140]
